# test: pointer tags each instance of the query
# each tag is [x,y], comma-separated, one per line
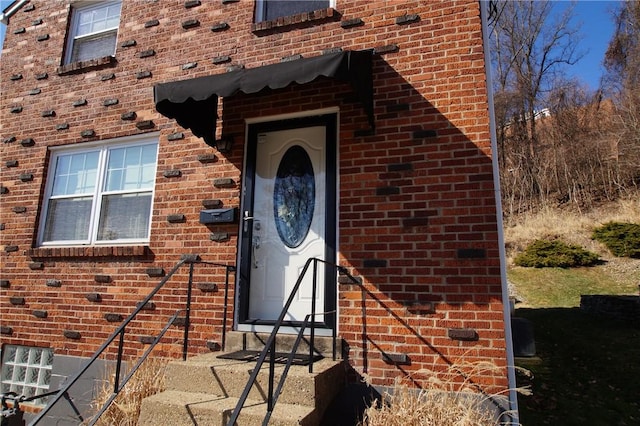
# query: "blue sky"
[597,28]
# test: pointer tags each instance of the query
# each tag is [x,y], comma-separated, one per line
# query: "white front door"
[286,220]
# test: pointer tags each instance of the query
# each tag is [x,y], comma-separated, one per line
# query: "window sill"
[82,66]
[89,251]
[286,22]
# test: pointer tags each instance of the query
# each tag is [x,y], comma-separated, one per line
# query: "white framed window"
[26,371]
[93,30]
[269,10]
[100,194]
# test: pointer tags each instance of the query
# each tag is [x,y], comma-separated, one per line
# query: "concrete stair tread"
[209,374]
[237,340]
[183,408]
[204,389]
[213,360]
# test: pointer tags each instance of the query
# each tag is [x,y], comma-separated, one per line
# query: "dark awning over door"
[193,103]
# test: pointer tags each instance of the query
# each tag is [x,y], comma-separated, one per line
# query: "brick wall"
[417,217]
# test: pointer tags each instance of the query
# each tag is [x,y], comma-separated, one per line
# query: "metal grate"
[26,371]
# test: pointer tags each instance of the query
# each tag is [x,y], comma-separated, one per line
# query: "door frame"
[329,119]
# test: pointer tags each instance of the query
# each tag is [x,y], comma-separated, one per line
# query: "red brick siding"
[445,200]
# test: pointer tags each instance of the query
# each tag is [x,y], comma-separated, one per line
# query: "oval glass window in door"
[294,196]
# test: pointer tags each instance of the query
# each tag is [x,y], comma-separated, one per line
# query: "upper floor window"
[100,194]
[269,10]
[93,30]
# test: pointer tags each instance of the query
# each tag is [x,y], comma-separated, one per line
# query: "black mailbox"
[218,215]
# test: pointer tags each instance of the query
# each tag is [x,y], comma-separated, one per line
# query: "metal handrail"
[270,344]
[120,332]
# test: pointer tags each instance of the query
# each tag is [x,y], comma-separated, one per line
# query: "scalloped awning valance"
[193,103]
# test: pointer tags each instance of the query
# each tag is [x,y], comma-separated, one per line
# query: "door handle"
[246,218]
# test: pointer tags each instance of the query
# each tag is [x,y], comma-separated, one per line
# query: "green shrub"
[622,239]
[555,254]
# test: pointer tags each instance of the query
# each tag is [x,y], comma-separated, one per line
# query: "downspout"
[506,308]
[11,10]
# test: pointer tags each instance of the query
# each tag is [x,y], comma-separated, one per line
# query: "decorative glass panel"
[26,371]
[294,196]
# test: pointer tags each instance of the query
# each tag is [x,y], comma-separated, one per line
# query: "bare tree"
[559,142]
[622,84]
[531,45]
[578,151]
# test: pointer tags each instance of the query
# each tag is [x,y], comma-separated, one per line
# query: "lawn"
[587,369]
[562,287]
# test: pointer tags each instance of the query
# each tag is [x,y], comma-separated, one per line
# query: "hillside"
[554,287]
[586,369]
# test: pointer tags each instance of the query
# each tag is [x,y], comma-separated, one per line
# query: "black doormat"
[280,357]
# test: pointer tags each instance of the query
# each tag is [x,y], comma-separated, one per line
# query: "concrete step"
[204,390]
[210,374]
[239,340]
[178,408]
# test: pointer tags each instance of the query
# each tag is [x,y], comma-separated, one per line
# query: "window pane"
[112,22]
[95,19]
[113,11]
[116,158]
[98,46]
[99,26]
[277,8]
[77,164]
[99,15]
[148,176]
[68,219]
[113,16]
[149,153]
[84,29]
[84,18]
[131,168]
[75,174]
[132,156]
[124,216]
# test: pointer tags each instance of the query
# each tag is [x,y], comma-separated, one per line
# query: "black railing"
[270,344]
[119,334]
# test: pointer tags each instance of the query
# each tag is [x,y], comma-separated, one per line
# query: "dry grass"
[572,227]
[442,401]
[125,409]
